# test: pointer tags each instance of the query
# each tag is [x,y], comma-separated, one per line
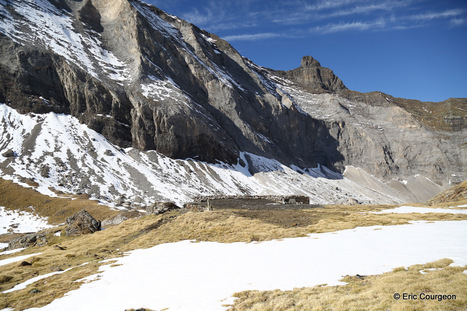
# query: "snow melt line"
[420,210]
[33,280]
[15,259]
[203,276]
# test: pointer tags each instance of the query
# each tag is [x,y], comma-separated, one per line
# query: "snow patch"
[43,24]
[33,280]
[15,259]
[13,221]
[421,210]
[164,276]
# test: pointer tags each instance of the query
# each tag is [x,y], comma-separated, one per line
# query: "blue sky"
[410,48]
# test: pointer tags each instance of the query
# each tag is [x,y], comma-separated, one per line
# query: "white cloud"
[353,26]
[435,15]
[198,18]
[329,4]
[365,9]
[458,21]
[252,37]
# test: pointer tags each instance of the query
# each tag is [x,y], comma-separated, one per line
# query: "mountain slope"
[57,152]
[147,80]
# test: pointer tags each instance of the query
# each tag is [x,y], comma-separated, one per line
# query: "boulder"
[81,223]
[32,239]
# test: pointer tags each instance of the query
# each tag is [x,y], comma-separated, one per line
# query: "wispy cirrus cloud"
[349,26]
[218,16]
[261,20]
[330,4]
[339,9]
[458,22]
[252,37]
[367,9]
[426,16]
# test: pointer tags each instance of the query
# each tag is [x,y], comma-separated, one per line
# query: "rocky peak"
[308,61]
[314,78]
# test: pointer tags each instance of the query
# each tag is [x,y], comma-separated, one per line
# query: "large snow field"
[203,276]
[12,221]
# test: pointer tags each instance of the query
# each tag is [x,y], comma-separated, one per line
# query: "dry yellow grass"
[14,196]
[247,226]
[374,292]
[457,195]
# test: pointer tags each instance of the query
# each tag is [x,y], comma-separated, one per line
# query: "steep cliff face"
[149,80]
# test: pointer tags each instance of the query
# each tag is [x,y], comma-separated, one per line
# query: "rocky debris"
[118,219]
[81,223]
[8,154]
[352,201]
[32,239]
[161,207]
[45,170]
[361,277]
[35,291]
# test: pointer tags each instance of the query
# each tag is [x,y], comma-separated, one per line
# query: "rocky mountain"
[119,100]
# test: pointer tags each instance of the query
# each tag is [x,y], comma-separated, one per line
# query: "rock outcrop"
[81,223]
[314,78]
[31,239]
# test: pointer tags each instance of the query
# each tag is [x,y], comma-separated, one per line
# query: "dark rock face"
[81,223]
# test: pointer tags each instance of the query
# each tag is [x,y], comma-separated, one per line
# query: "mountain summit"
[153,82]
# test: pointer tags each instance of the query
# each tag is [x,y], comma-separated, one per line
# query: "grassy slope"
[448,115]
[14,196]
[457,194]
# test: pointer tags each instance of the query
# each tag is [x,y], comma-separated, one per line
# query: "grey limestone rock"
[81,223]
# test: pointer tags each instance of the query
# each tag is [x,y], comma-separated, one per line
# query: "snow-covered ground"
[203,276]
[12,221]
[421,210]
[16,259]
[2,245]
